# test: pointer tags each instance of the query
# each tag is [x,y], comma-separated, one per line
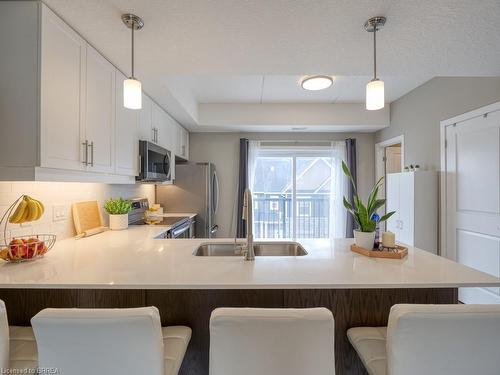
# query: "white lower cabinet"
[413,195]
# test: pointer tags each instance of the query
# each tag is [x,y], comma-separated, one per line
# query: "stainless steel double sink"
[278,249]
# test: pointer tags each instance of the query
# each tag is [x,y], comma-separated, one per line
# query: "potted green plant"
[118,210]
[364,235]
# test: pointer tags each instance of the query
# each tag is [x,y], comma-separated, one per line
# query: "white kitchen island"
[132,268]
[134,259]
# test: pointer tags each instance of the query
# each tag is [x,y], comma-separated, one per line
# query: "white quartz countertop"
[133,259]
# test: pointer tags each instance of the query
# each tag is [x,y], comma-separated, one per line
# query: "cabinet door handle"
[92,153]
[86,145]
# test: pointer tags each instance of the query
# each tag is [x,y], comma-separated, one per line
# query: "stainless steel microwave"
[155,163]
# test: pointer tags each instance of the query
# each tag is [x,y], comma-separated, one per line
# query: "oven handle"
[177,231]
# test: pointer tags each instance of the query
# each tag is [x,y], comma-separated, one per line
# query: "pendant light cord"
[375,51]
[133,26]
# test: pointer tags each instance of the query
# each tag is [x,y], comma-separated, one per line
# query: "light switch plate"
[60,212]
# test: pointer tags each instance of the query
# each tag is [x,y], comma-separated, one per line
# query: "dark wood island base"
[350,307]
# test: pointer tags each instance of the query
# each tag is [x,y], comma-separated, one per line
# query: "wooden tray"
[400,252]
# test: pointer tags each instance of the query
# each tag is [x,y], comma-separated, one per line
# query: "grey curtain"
[242,185]
[350,144]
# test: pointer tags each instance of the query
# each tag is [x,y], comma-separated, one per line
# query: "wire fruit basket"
[25,248]
[29,247]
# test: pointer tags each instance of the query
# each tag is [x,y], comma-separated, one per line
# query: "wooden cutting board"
[86,216]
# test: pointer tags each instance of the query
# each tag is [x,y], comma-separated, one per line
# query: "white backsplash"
[60,196]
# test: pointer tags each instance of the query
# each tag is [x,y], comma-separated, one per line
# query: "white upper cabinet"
[146,131]
[171,137]
[100,113]
[62,89]
[181,142]
[127,134]
[184,144]
[72,120]
[159,125]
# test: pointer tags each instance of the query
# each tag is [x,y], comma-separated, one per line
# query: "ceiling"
[285,88]
[240,51]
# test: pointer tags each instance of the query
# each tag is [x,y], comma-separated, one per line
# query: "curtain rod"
[283,143]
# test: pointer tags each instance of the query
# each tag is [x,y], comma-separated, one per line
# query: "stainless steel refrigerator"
[196,189]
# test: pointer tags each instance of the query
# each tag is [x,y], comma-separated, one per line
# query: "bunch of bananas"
[28,209]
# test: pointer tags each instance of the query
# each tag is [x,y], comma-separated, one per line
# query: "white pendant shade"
[375,95]
[132,94]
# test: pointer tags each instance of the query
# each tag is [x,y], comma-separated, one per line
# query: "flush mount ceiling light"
[132,88]
[375,96]
[316,83]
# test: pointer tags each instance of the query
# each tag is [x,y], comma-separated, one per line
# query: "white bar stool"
[432,339]
[248,341]
[108,341]
[17,346]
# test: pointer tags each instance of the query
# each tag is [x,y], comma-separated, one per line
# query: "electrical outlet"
[60,212]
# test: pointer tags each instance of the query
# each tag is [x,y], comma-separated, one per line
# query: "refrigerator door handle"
[215,191]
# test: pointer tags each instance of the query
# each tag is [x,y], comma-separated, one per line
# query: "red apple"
[34,246]
[18,248]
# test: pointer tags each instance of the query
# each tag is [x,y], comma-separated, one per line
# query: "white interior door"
[473,199]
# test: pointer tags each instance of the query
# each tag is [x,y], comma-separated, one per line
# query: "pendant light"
[375,88]
[132,88]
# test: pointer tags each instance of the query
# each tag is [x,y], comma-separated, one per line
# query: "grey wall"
[223,148]
[417,114]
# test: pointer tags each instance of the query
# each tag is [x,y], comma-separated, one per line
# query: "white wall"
[223,150]
[62,193]
[418,113]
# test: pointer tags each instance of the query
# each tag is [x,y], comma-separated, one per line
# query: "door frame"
[379,162]
[379,150]
[442,173]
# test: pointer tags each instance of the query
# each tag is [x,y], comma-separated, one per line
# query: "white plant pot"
[365,240]
[118,222]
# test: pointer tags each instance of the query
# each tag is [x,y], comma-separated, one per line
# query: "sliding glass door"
[292,194]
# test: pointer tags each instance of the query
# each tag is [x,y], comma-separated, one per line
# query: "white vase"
[118,222]
[366,240]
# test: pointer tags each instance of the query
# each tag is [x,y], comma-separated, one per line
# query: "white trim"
[379,163]
[381,146]
[442,173]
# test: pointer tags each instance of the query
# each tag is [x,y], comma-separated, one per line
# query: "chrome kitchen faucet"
[247,216]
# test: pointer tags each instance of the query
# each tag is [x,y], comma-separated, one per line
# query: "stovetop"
[166,221]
